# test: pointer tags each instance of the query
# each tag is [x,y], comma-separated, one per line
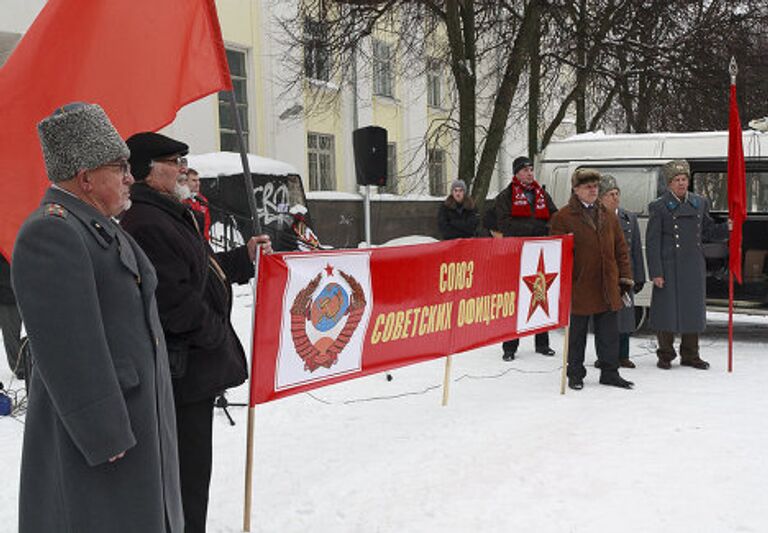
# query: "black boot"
[509,355]
[576,383]
[549,352]
[614,379]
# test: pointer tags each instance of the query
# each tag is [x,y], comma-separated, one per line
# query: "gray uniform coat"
[673,244]
[631,229]
[100,383]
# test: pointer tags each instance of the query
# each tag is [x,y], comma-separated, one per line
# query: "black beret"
[149,145]
[520,163]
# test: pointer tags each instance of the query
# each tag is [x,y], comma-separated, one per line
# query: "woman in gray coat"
[679,222]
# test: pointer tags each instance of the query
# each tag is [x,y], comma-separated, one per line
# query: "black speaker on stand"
[370,147]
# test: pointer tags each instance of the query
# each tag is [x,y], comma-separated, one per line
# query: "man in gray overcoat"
[610,196]
[99,449]
[678,223]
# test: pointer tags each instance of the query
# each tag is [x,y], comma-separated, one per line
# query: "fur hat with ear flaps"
[584,175]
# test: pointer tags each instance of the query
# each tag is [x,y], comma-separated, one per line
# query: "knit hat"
[78,136]
[520,163]
[675,168]
[458,184]
[149,145]
[608,184]
[584,175]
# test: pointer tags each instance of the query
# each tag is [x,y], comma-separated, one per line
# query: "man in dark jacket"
[194,298]
[610,196]
[100,433]
[10,320]
[601,271]
[523,209]
[678,222]
[457,217]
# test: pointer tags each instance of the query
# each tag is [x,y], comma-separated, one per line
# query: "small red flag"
[141,60]
[737,184]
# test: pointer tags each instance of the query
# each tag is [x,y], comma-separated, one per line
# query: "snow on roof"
[228,164]
[384,197]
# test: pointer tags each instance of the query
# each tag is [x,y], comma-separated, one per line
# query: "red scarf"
[520,205]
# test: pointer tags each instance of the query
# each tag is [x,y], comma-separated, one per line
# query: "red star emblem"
[328,270]
[539,284]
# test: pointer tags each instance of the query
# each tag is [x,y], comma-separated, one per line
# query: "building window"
[434,83]
[227,129]
[317,64]
[391,186]
[436,159]
[322,176]
[382,68]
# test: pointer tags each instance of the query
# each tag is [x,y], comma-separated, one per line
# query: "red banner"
[737,185]
[141,60]
[325,317]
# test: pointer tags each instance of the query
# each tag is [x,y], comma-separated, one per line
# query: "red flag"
[737,194]
[141,60]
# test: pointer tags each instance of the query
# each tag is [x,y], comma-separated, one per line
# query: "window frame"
[314,176]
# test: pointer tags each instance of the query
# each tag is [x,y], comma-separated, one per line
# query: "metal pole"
[355,125]
[255,223]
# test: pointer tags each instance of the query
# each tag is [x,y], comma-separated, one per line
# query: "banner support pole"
[730,321]
[247,504]
[447,380]
[565,359]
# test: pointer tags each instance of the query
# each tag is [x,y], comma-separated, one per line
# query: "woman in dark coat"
[457,217]
[600,272]
[194,299]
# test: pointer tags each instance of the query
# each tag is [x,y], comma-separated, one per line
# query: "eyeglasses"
[124,166]
[178,161]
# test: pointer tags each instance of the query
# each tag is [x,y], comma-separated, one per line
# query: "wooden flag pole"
[248,470]
[447,380]
[565,359]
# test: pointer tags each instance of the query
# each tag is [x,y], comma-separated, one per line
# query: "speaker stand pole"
[368,215]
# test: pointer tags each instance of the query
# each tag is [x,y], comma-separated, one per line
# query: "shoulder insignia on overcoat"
[56,210]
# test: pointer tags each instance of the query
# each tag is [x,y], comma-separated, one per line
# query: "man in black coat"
[524,209]
[194,298]
[457,217]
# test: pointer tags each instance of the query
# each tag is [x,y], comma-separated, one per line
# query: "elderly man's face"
[109,187]
[165,171]
[525,175]
[679,185]
[587,192]
[611,199]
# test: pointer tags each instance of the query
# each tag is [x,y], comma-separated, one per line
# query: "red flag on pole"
[737,195]
[141,60]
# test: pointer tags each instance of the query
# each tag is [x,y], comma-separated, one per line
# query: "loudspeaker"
[370,147]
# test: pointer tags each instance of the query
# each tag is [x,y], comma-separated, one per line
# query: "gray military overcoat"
[673,244]
[631,229]
[100,383]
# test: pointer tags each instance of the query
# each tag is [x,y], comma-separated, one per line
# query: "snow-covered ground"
[684,451]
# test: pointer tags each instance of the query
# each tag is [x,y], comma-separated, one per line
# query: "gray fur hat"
[458,184]
[78,136]
[584,175]
[675,168]
[608,184]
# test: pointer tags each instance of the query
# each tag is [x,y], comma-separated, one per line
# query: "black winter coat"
[529,226]
[457,221]
[194,295]
[6,292]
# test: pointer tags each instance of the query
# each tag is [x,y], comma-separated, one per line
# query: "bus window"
[714,186]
